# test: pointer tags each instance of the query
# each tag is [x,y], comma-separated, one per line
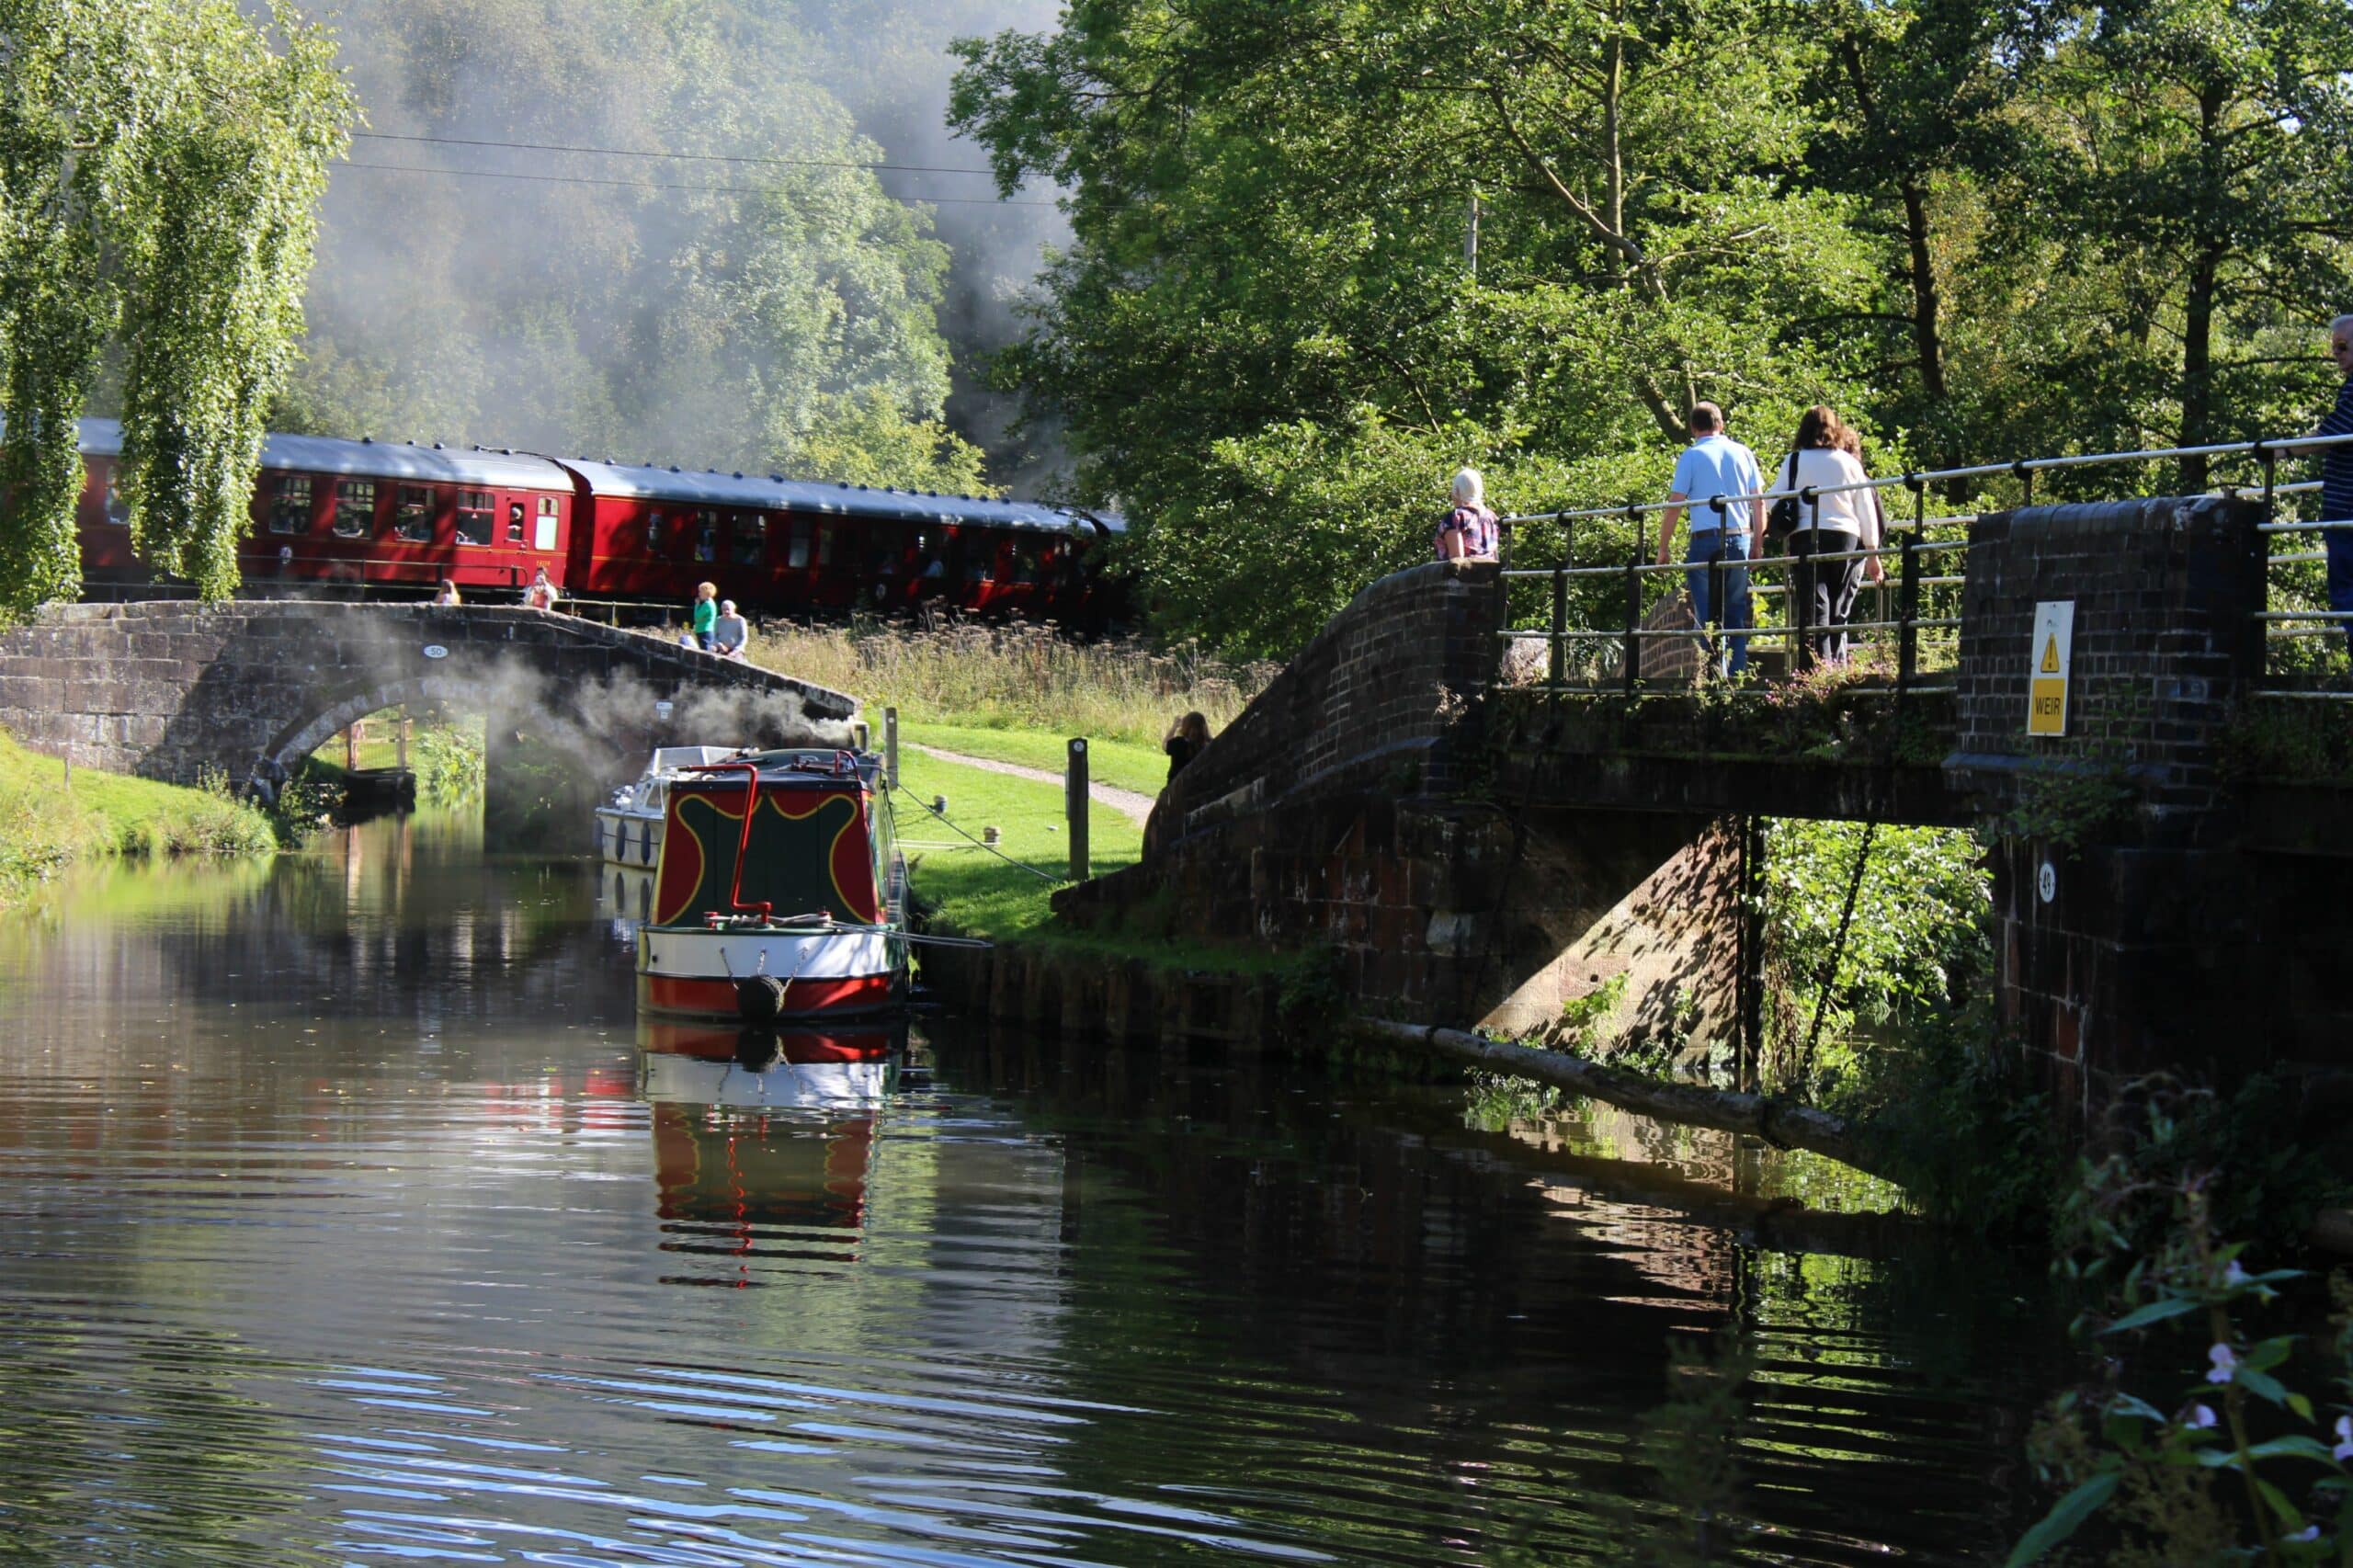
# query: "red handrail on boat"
[743,842]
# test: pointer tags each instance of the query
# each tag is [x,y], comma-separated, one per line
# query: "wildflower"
[2344,1449]
[2226,1364]
[2310,1532]
[2232,1274]
[2200,1417]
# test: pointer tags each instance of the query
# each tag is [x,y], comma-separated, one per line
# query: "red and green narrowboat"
[780,892]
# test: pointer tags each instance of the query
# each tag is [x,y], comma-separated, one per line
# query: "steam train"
[398,517]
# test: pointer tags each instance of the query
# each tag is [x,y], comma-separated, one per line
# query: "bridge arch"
[176,690]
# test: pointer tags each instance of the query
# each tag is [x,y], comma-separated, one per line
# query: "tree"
[1270,212]
[159,173]
[2198,151]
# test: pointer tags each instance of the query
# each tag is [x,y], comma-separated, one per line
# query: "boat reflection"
[763,1142]
[625,897]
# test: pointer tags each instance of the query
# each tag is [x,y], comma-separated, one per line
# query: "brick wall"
[2124,917]
[1375,699]
[2162,648]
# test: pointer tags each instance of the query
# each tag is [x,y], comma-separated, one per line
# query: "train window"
[543,534]
[290,505]
[824,544]
[796,548]
[413,516]
[477,516]
[355,508]
[652,533]
[1025,562]
[515,523]
[117,513]
[980,558]
[706,536]
[749,540]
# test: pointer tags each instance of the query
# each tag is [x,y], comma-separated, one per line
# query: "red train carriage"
[363,512]
[403,516]
[783,545]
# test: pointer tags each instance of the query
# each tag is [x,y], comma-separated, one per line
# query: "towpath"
[1126,803]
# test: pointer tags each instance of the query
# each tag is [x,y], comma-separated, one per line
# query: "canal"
[342,1219]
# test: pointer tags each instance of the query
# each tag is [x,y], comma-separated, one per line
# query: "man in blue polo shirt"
[2337,476]
[1712,466]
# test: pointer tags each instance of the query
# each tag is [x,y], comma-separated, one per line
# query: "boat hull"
[692,973]
[629,838]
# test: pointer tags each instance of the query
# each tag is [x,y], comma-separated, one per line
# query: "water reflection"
[345,1208]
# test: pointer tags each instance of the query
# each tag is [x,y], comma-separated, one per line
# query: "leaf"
[2263,1385]
[2154,1311]
[2065,1517]
[2287,1513]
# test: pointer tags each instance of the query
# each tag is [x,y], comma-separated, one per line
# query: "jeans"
[1729,546]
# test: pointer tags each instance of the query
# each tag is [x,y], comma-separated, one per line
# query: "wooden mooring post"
[1074,808]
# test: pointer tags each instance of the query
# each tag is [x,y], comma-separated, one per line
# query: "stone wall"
[1374,699]
[246,690]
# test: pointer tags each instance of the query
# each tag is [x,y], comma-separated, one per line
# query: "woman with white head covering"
[1468,530]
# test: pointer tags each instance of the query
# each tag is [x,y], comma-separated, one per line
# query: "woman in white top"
[1824,455]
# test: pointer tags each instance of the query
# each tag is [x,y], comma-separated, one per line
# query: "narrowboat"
[629,831]
[780,892]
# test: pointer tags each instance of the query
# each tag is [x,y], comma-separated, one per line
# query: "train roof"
[523,471]
[775,492]
[376,459]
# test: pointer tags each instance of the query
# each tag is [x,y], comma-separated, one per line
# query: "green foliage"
[2301,742]
[1979,230]
[773,310]
[448,759]
[48,823]
[2241,1465]
[161,167]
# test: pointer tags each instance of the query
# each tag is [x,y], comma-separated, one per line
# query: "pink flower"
[2344,1449]
[2232,1274]
[2200,1417]
[2226,1363]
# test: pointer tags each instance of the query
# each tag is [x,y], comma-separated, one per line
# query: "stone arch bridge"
[245,690]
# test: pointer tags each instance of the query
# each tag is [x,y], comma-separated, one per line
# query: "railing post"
[2258,643]
[891,746]
[1907,614]
[1802,603]
[2025,470]
[1559,666]
[1074,807]
[1634,618]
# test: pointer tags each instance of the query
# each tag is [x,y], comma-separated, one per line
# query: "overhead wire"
[655,185]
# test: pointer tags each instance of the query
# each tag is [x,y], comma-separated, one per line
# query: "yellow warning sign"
[2055,629]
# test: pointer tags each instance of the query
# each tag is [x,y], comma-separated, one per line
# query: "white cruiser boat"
[628,831]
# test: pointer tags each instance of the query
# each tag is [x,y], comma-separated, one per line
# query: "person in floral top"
[1468,531]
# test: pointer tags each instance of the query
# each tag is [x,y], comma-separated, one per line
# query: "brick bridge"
[1472,851]
[245,690]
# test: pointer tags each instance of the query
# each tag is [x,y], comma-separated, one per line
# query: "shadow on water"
[348,1212]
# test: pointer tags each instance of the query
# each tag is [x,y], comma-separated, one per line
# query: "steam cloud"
[585,318]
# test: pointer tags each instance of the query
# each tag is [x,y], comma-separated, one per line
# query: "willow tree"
[160,170]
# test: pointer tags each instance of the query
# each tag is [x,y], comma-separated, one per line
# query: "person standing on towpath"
[1715,464]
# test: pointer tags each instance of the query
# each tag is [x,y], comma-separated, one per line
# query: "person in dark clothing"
[1186,738]
[2337,477]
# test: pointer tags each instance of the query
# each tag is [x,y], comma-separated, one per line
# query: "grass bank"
[46,825]
[983,894]
[1014,677]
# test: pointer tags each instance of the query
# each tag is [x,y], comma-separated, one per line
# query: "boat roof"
[365,459]
[667,758]
[798,765]
[773,492]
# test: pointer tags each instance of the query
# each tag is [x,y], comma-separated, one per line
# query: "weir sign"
[2046,702]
